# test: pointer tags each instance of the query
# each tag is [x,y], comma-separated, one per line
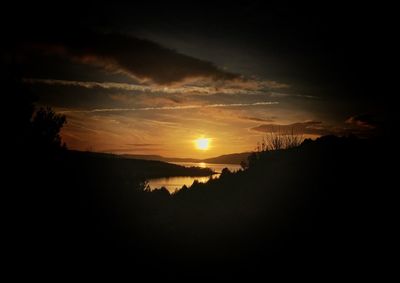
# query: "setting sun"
[202,143]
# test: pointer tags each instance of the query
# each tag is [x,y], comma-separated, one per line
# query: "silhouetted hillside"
[320,202]
[313,200]
[144,169]
[234,158]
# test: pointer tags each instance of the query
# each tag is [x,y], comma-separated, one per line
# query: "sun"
[202,143]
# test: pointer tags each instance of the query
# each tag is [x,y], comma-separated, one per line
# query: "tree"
[244,164]
[46,126]
[277,139]
[225,172]
[27,130]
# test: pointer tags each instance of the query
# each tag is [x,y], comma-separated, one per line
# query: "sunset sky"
[153,78]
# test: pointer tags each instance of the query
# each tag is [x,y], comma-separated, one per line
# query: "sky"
[151,78]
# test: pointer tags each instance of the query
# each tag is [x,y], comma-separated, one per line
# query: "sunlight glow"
[202,143]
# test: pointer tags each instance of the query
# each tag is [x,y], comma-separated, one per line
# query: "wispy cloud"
[307,127]
[202,87]
[182,107]
[256,119]
[143,144]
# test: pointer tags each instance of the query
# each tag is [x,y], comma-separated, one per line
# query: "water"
[176,183]
[215,167]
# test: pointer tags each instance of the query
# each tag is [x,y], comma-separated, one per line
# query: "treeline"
[312,201]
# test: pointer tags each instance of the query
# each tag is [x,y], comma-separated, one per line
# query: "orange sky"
[171,133]
[152,85]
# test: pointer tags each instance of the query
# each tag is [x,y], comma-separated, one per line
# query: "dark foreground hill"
[320,203]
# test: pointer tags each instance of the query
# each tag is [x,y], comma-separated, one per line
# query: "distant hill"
[143,156]
[160,158]
[234,158]
[137,167]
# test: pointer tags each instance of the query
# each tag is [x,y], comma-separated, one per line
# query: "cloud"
[141,59]
[255,119]
[367,121]
[123,150]
[308,128]
[363,125]
[182,107]
[249,87]
[143,144]
[152,67]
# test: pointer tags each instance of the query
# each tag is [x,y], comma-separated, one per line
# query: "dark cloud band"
[141,59]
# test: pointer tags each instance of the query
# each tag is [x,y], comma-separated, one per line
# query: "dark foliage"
[29,131]
[319,203]
[46,126]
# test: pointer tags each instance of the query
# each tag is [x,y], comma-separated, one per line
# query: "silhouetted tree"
[144,186]
[292,139]
[46,126]
[27,130]
[277,139]
[225,172]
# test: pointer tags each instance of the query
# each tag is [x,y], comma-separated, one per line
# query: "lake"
[174,183]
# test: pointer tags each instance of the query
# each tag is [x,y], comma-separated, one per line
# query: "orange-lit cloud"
[181,107]
[256,119]
[355,125]
[308,127]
